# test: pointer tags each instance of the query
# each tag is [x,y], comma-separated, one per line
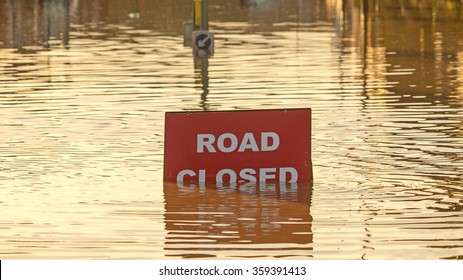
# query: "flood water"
[84,86]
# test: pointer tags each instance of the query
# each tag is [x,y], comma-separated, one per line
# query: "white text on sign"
[228,143]
[247,175]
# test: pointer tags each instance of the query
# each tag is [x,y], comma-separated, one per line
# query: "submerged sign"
[238,146]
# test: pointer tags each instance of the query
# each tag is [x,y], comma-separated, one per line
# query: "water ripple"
[82,123]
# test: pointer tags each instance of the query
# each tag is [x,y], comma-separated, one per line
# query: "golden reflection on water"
[84,86]
[245,221]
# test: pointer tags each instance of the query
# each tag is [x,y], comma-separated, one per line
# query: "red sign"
[238,146]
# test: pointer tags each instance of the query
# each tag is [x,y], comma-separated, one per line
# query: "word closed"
[238,146]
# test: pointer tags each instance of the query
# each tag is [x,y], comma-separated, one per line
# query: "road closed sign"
[262,146]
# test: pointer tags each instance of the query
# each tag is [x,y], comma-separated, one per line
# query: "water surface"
[84,86]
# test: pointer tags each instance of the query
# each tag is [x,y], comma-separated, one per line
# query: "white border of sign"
[209,36]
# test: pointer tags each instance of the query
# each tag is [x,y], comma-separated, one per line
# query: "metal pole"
[197,14]
[205,15]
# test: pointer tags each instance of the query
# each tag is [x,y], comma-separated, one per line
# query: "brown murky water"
[84,86]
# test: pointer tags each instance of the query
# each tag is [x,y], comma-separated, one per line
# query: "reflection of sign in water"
[231,219]
[238,146]
[203,40]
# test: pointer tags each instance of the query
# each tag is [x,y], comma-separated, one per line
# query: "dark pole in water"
[200,15]
[205,15]
[201,54]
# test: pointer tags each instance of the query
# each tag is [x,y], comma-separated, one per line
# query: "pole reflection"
[201,70]
[202,221]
